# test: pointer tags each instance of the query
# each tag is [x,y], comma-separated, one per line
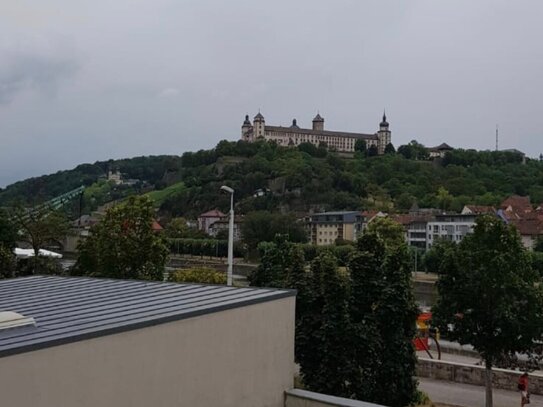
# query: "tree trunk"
[488,383]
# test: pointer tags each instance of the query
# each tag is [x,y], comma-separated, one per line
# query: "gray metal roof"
[69,309]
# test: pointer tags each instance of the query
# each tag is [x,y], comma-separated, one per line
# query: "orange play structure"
[424,333]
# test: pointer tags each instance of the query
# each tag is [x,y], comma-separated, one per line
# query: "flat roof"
[70,309]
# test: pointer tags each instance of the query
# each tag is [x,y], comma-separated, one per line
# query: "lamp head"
[227,189]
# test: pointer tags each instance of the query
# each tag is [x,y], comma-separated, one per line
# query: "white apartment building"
[449,227]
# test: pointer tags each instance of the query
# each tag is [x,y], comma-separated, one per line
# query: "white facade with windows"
[449,227]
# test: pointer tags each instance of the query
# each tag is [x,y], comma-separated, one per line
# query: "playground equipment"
[425,333]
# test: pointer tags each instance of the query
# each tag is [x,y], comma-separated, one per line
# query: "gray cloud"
[41,72]
[125,78]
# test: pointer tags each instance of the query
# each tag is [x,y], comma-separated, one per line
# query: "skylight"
[10,319]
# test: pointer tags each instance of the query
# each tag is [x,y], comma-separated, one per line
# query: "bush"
[204,247]
[202,275]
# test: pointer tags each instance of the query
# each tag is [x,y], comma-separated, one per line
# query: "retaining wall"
[471,374]
[303,398]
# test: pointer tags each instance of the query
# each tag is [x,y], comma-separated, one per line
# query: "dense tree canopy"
[489,295]
[355,325]
[263,226]
[124,245]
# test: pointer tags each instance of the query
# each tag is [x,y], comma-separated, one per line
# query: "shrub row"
[203,247]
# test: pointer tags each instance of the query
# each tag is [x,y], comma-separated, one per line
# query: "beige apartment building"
[327,227]
[295,135]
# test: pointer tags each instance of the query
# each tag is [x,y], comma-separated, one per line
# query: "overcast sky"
[86,81]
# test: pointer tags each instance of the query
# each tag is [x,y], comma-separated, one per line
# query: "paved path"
[471,396]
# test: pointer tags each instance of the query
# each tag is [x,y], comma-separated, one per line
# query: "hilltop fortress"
[294,135]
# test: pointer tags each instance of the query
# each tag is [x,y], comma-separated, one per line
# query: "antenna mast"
[496,137]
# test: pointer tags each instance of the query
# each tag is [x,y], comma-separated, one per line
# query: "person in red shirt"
[523,387]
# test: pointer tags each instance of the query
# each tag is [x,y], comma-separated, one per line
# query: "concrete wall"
[239,357]
[470,374]
[303,398]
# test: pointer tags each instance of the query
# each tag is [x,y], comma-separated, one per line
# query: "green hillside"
[268,177]
[150,170]
[161,195]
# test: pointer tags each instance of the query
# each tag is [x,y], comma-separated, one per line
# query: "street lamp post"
[230,236]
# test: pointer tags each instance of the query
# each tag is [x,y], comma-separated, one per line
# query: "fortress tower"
[384,135]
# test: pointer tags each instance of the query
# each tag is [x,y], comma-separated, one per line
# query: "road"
[471,396]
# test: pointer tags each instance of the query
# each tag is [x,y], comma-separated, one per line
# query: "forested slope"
[268,177]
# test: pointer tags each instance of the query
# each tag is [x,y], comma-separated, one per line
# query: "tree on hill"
[389,149]
[124,245]
[312,150]
[39,227]
[414,151]
[373,151]
[489,295]
[360,146]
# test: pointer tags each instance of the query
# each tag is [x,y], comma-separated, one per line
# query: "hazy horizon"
[89,82]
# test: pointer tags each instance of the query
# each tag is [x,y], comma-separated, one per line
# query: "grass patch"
[158,197]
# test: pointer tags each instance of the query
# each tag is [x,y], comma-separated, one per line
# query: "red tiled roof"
[402,219]
[528,227]
[481,209]
[156,226]
[517,203]
[215,213]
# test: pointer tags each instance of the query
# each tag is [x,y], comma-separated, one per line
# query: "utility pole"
[229,274]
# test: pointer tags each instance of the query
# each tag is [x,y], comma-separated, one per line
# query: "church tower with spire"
[259,125]
[318,123]
[384,135]
[247,129]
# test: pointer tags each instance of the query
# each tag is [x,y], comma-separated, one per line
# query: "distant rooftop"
[70,309]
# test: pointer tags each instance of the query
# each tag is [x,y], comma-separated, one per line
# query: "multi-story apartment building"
[325,228]
[295,135]
[449,227]
[416,231]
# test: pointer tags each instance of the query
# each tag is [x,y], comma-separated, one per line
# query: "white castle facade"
[294,135]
